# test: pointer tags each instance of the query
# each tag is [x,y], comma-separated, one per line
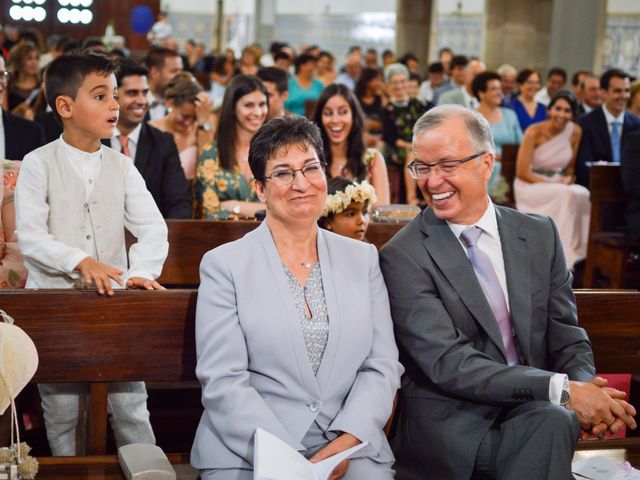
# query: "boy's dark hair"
[435,67]
[557,71]
[128,68]
[606,77]
[157,56]
[275,75]
[66,74]
[459,61]
[278,134]
[415,77]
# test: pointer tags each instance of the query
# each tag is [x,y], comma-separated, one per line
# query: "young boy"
[74,199]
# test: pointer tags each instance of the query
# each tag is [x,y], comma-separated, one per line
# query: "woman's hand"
[203,107]
[340,444]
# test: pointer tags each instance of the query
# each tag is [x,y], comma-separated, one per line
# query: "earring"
[169,110]
[328,227]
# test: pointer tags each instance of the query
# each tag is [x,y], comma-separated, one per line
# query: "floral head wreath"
[362,192]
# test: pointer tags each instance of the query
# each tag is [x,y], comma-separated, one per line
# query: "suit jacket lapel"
[143,149]
[605,137]
[10,137]
[290,321]
[446,251]
[516,265]
[333,310]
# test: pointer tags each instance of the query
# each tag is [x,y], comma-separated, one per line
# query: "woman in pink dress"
[545,183]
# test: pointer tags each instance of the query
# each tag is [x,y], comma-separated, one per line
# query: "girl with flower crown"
[346,210]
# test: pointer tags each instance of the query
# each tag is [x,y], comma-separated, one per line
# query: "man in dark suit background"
[499,377]
[605,130]
[154,152]
[18,136]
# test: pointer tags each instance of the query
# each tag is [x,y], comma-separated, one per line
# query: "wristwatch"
[565,396]
[236,209]
[206,126]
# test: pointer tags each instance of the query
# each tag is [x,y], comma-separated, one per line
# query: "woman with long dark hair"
[225,183]
[341,121]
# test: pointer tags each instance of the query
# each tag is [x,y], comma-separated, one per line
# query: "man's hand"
[599,408]
[144,284]
[99,274]
[343,442]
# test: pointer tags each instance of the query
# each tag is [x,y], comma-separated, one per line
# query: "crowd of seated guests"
[366,118]
[204,160]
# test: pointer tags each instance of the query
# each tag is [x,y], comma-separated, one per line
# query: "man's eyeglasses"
[421,171]
[4,76]
[286,176]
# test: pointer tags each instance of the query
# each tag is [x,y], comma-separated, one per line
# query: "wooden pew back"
[136,335]
[189,240]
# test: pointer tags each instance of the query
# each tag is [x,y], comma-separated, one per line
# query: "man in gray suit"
[499,377]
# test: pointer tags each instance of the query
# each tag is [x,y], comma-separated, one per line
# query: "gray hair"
[478,129]
[507,68]
[395,69]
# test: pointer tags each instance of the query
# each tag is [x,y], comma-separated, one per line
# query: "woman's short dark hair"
[567,96]
[481,82]
[355,140]
[524,75]
[366,76]
[302,59]
[336,184]
[278,135]
[238,87]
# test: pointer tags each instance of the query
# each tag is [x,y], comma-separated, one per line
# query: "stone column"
[577,32]
[518,32]
[265,22]
[414,20]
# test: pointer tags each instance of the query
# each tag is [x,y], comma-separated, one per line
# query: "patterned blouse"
[216,185]
[315,329]
[13,273]
[398,121]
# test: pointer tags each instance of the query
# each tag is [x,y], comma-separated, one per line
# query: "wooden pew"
[189,240]
[610,253]
[136,335]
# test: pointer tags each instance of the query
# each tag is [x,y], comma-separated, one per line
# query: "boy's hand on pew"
[144,284]
[99,274]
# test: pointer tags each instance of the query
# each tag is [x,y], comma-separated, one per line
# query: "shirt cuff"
[555,387]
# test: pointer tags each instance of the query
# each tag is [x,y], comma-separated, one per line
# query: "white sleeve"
[555,387]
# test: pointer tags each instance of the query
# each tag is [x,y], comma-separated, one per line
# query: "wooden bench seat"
[139,335]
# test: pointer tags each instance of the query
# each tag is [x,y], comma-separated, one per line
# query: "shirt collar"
[76,154]
[488,223]
[610,118]
[134,136]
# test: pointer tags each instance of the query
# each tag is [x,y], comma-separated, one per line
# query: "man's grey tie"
[490,284]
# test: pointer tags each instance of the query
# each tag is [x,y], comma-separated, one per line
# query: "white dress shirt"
[489,242]
[610,119]
[134,137]
[50,255]
[470,101]
[542,96]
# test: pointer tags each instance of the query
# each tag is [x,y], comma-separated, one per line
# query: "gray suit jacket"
[253,364]
[457,380]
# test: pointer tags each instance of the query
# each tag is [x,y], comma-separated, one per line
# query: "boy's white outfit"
[71,204]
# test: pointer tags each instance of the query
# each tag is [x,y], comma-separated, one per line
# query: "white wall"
[284,7]
[623,6]
[208,7]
